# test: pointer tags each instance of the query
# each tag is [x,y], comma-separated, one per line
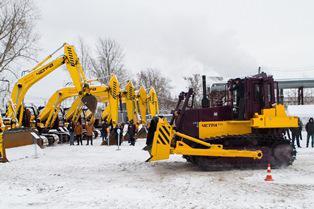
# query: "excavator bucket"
[90,102]
[161,146]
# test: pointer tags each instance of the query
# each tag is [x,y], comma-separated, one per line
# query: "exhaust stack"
[205,100]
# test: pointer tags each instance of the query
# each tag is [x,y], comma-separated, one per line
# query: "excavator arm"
[15,108]
[142,104]
[130,100]
[108,94]
[147,102]
[49,112]
[73,110]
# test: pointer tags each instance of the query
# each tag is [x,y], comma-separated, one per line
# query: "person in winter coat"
[297,134]
[27,118]
[89,132]
[71,130]
[300,128]
[131,133]
[78,130]
[309,127]
[104,131]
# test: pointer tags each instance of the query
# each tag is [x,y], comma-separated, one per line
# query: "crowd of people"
[120,133]
[295,134]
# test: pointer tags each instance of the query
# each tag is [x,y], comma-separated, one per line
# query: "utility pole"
[259,70]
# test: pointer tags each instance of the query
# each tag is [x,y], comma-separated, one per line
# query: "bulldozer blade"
[21,137]
[3,157]
[161,146]
[90,102]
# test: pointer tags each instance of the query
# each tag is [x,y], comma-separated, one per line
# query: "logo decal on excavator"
[210,125]
[44,69]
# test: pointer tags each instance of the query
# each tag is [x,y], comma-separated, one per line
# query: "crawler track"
[276,150]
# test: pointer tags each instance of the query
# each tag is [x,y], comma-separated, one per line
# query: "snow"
[303,111]
[102,177]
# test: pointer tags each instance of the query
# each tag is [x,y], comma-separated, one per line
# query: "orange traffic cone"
[269,177]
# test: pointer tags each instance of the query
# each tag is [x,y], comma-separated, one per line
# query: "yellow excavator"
[49,113]
[18,131]
[105,94]
[147,104]
[133,102]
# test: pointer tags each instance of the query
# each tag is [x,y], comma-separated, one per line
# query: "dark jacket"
[104,129]
[295,132]
[310,127]
[131,130]
[71,127]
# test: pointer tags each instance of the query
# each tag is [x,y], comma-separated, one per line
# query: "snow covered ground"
[101,177]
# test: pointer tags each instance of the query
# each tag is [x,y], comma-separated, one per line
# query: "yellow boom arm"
[130,100]
[40,71]
[108,94]
[53,105]
[153,102]
[142,103]
[147,103]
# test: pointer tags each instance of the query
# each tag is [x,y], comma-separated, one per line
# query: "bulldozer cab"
[250,95]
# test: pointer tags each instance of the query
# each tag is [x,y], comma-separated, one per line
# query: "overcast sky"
[226,38]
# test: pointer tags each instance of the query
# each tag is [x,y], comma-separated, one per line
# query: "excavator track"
[277,151]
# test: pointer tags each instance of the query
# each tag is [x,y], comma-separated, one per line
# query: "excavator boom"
[108,94]
[17,136]
[15,108]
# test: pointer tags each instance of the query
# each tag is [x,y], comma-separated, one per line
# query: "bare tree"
[108,60]
[195,82]
[153,78]
[17,37]
[84,53]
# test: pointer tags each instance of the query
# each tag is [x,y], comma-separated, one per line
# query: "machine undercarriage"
[275,148]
